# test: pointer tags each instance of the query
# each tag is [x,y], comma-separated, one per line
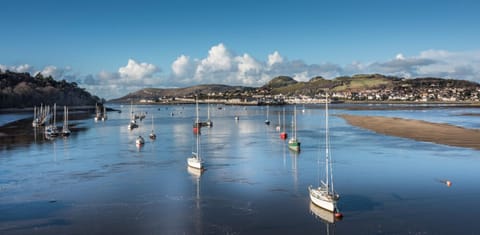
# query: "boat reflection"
[324,216]
[197,213]
[195,173]
[294,156]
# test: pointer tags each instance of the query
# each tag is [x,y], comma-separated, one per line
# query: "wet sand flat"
[418,130]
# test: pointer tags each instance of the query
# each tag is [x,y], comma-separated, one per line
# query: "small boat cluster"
[139,141]
[100,114]
[42,117]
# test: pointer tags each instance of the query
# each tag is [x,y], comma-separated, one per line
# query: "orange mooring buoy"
[448,183]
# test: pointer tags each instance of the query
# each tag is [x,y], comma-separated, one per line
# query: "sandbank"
[418,130]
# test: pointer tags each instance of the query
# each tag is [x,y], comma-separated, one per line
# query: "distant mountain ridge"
[288,86]
[20,90]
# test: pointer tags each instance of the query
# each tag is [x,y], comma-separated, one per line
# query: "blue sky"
[115,47]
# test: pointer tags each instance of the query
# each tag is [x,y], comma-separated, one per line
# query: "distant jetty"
[418,130]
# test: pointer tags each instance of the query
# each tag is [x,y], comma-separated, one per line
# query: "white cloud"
[247,64]
[219,59]
[400,56]
[274,58]
[52,71]
[136,70]
[23,68]
[182,66]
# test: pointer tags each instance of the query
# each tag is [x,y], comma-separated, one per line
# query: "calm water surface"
[98,182]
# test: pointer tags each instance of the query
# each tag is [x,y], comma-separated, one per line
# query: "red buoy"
[338,215]
[196,130]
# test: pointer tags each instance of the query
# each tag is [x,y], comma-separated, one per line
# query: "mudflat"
[418,130]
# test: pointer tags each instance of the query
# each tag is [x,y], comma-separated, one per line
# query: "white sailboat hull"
[320,197]
[194,162]
[139,141]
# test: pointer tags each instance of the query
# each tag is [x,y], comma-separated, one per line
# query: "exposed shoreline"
[418,130]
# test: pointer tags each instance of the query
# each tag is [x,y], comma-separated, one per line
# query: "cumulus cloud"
[182,66]
[223,66]
[54,72]
[129,78]
[219,60]
[274,58]
[136,70]
[247,64]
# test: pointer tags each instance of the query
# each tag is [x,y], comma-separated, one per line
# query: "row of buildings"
[406,94]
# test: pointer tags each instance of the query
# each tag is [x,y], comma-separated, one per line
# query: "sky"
[111,48]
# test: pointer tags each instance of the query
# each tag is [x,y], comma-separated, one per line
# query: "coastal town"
[404,93]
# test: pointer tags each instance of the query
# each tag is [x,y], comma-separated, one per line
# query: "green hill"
[19,90]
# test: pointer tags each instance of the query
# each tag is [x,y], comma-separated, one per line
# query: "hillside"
[215,90]
[19,90]
[356,87]
[363,82]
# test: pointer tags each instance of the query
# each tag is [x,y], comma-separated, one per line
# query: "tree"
[39,76]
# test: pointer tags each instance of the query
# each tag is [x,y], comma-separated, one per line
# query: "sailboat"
[152,134]
[267,122]
[195,160]
[294,143]
[40,115]
[197,125]
[209,122]
[104,114]
[133,123]
[283,134]
[36,120]
[325,196]
[51,130]
[98,114]
[140,141]
[65,130]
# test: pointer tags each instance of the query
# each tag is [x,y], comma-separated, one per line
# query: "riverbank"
[418,130]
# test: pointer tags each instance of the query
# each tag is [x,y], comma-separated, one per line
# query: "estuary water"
[97,181]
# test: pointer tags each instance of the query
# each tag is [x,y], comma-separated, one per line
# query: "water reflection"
[197,213]
[250,172]
[326,217]
[294,156]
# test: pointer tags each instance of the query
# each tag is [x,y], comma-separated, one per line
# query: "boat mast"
[328,160]
[197,123]
[64,116]
[284,119]
[326,142]
[295,122]
[54,114]
[208,109]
